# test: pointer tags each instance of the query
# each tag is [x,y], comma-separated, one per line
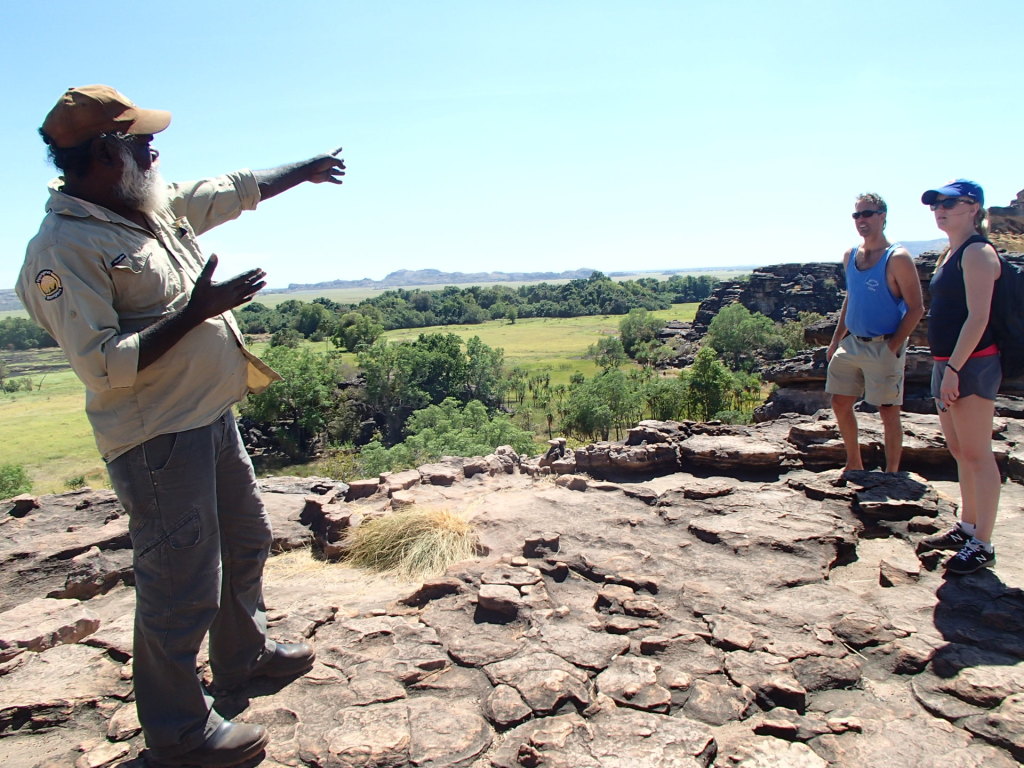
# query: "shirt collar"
[64,204]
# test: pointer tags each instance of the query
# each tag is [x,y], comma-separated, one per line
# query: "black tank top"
[947,312]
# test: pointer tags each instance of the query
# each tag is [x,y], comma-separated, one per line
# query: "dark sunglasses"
[865,214]
[949,203]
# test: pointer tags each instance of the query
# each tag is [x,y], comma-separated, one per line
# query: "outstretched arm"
[274,181]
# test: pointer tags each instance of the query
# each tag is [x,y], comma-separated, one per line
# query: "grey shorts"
[867,369]
[981,376]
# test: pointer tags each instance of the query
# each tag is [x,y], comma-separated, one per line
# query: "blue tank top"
[871,309]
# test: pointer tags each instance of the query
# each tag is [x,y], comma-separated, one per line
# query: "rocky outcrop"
[724,600]
[780,292]
[1007,224]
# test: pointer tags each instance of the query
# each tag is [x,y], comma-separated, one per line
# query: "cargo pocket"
[180,534]
[186,532]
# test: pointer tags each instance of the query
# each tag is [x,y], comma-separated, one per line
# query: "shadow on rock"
[142,762]
[231,704]
[982,620]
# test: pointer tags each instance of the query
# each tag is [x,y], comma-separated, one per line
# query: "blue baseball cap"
[958,188]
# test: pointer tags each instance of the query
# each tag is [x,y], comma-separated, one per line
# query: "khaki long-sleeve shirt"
[93,279]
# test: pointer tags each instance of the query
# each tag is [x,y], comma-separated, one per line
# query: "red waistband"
[988,351]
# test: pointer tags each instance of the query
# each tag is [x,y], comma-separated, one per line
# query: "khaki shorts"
[868,369]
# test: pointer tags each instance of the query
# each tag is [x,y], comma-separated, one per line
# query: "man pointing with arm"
[116,276]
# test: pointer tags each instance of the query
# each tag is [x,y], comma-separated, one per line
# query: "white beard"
[143,191]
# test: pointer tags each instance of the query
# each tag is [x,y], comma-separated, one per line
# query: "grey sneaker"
[971,557]
[953,539]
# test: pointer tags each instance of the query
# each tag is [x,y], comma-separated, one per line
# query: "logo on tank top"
[871,284]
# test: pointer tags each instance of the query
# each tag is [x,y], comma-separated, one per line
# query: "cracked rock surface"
[712,610]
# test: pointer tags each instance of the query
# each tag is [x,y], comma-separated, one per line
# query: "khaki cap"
[85,113]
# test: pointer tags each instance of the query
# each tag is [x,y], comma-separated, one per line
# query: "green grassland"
[543,344]
[46,430]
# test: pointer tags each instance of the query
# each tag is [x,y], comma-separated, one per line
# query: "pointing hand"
[327,167]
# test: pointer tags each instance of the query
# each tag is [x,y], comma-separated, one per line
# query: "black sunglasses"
[949,203]
[865,214]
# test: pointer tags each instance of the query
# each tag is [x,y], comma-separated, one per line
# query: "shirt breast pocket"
[144,279]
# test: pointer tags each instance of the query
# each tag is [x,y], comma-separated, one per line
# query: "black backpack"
[1007,317]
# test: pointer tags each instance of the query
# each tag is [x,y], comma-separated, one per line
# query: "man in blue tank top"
[882,307]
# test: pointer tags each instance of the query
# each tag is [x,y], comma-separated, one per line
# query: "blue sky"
[535,135]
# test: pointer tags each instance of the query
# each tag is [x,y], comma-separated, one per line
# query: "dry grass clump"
[295,562]
[411,542]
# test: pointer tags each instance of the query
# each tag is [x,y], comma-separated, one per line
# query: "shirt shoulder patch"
[50,285]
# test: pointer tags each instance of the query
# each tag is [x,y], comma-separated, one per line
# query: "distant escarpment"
[407,278]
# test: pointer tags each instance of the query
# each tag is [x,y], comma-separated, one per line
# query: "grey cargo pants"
[200,537]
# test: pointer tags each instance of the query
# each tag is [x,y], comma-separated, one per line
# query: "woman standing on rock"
[966,374]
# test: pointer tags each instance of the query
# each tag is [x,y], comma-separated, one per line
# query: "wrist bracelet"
[951,368]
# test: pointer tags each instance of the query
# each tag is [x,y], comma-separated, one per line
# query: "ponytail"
[981,222]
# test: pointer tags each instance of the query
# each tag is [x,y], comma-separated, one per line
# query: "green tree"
[407,376]
[13,480]
[595,408]
[746,395]
[650,353]
[440,365]
[315,321]
[586,415]
[708,385]
[688,288]
[253,317]
[484,373]
[607,353]
[793,332]
[516,384]
[665,398]
[298,409]
[22,333]
[636,328]
[286,337]
[739,335]
[448,429]
[356,330]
